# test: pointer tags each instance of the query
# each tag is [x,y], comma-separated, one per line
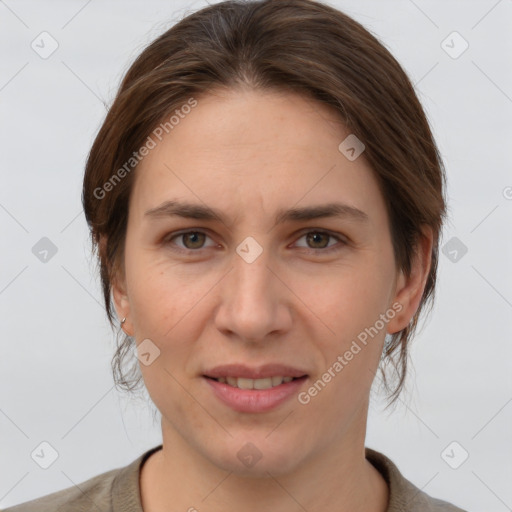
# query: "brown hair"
[286,45]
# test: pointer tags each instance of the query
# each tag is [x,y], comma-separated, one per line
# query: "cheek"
[350,349]
[348,322]
[348,299]
[158,294]
[169,305]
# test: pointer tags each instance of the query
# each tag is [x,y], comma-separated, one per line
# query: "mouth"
[254,400]
[254,389]
[258,384]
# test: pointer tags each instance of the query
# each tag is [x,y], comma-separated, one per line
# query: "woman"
[266,199]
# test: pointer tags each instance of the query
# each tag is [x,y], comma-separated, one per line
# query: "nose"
[254,301]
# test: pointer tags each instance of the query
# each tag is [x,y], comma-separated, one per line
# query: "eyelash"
[327,250]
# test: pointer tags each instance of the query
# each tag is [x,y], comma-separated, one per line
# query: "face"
[278,267]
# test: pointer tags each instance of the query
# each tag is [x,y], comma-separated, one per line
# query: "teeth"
[232,381]
[276,381]
[243,383]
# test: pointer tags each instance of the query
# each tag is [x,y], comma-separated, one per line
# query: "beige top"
[118,491]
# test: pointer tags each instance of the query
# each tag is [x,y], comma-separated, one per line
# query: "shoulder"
[110,491]
[83,496]
[404,495]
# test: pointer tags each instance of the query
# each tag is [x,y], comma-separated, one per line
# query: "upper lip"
[260,372]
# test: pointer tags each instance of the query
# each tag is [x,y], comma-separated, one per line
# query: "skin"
[248,154]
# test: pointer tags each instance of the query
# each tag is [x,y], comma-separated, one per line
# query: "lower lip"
[255,400]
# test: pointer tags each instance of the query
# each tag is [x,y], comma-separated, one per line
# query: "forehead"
[251,149]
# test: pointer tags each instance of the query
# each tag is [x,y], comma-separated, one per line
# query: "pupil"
[193,238]
[314,238]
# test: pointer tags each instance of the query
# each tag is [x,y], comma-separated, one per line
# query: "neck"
[339,477]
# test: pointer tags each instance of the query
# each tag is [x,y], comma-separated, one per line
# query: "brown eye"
[317,239]
[193,239]
[320,242]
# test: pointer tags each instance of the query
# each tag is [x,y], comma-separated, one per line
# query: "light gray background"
[56,345]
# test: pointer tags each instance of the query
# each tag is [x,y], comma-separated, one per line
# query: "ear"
[409,290]
[122,303]
[119,292]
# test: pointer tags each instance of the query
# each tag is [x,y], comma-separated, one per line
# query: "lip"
[260,372]
[254,400]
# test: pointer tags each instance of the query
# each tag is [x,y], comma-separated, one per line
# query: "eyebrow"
[202,212]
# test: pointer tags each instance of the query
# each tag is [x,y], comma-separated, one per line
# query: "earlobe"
[122,304]
[409,289]
[118,291]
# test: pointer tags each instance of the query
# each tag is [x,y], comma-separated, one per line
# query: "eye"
[319,240]
[316,240]
[192,240]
